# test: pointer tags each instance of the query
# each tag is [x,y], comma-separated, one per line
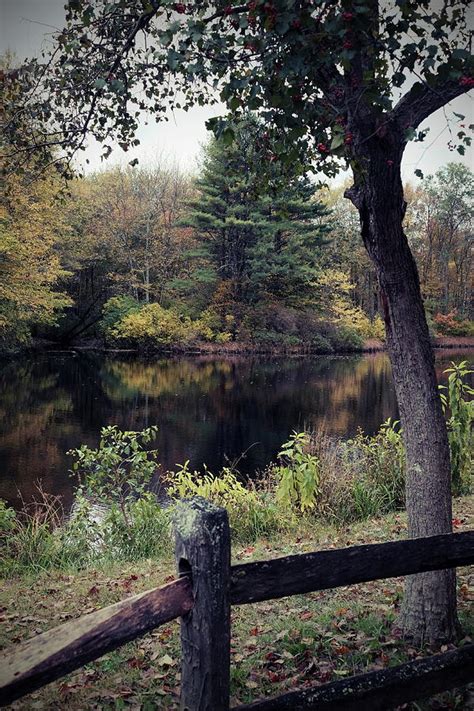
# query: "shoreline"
[370,346]
[245,348]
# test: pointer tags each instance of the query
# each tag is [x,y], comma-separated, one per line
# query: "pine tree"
[284,260]
[259,232]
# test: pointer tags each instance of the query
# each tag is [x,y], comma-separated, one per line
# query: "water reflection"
[208,410]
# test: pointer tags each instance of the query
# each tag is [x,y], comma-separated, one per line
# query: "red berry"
[467,81]
[347,44]
[348,16]
[180,7]
[348,138]
[322,148]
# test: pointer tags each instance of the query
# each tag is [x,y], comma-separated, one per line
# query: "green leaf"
[234,103]
[228,136]
[460,54]
[337,141]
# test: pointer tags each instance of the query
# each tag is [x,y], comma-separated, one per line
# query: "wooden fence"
[202,597]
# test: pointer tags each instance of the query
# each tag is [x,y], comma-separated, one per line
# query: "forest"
[152,258]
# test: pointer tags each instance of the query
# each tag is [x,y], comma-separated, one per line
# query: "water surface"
[208,409]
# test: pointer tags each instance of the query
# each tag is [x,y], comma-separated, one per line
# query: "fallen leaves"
[276,645]
[166,661]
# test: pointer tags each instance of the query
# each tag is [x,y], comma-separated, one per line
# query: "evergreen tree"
[285,258]
[259,238]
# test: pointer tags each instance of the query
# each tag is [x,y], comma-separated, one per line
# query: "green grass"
[276,645]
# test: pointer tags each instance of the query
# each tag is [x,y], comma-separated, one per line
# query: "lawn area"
[276,646]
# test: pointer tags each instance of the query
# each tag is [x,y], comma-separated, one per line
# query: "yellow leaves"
[337,280]
[342,310]
[31,227]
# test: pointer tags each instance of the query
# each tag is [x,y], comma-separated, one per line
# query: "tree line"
[150,256]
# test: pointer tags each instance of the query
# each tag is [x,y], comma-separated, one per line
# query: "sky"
[25,29]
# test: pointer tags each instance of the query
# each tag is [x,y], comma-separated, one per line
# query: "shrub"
[321,344]
[361,477]
[344,338]
[252,513]
[30,540]
[451,324]
[460,433]
[146,533]
[298,474]
[119,470]
[117,475]
[271,339]
[209,327]
[153,326]
[114,310]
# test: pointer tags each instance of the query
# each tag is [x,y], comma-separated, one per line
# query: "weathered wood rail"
[202,597]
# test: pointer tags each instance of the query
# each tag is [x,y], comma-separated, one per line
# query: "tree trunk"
[429,612]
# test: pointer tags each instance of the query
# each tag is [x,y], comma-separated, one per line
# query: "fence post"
[203,552]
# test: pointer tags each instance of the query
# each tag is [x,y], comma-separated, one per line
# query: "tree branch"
[423,100]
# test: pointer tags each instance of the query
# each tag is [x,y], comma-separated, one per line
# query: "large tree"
[257,239]
[351,79]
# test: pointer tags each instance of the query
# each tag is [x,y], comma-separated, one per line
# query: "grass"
[276,645]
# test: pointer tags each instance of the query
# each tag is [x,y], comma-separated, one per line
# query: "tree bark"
[429,612]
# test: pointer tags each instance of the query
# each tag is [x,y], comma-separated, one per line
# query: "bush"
[451,324]
[344,338]
[252,513]
[114,310]
[120,469]
[117,475]
[146,534]
[361,477]
[321,344]
[274,339]
[209,327]
[460,432]
[152,326]
[298,474]
[379,463]
[29,540]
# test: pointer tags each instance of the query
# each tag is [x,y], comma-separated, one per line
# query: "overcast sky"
[25,26]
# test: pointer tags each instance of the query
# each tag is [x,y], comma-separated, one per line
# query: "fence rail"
[380,690]
[309,572]
[202,598]
[59,651]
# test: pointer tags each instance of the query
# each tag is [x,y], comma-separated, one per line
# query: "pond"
[208,410]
